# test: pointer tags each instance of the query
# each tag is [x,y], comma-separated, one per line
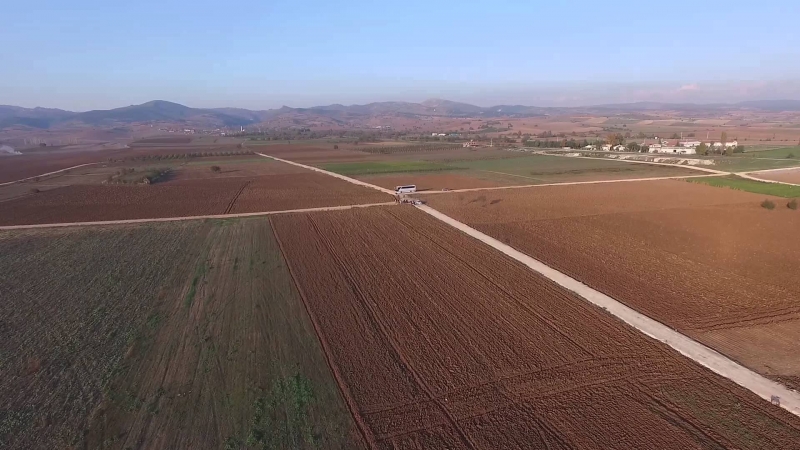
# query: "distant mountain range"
[160,111]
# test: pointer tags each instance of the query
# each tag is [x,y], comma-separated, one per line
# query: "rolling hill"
[159,111]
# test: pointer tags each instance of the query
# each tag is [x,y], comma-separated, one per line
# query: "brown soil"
[185,198]
[445,343]
[698,258]
[787,176]
[306,190]
[232,167]
[19,167]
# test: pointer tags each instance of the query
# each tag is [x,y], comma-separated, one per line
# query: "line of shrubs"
[769,204]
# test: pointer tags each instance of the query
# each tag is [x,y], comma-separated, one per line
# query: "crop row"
[443,342]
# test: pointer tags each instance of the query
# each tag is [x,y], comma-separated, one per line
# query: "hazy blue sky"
[85,54]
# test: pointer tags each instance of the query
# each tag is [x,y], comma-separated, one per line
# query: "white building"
[673,150]
[607,148]
[691,144]
[619,148]
[727,144]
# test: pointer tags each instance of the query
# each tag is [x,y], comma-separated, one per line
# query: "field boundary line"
[703,355]
[177,219]
[47,174]
[568,183]
[652,163]
[369,438]
[779,169]
[508,174]
[333,174]
[236,197]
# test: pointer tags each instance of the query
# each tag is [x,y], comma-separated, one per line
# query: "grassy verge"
[381,168]
[785,152]
[757,187]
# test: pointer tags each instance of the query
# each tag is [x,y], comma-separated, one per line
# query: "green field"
[785,152]
[557,168]
[189,326]
[757,187]
[742,164]
[385,167]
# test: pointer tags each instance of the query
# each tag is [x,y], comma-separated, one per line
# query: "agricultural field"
[741,164]
[179,335]
[444,343]
[708,261]
[787,176]
[18,167]
[782,152]
[232,167]
[458,170]
[196,191]
[541,169]
[307,190]
[756,187]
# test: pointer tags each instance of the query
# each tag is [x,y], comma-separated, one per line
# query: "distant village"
[674,146]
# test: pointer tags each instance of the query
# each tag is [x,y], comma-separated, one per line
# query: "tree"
[336,147]
[675,136]
[216,169]
[724,138]
[701,149]
[615,139]
[633,147]
[738,149]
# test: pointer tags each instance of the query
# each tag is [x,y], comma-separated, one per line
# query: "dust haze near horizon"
[95,55]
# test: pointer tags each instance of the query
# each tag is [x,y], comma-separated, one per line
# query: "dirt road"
[333,174]
[48,173]
[716,362]
[175,219]
[566,184]
[754,176]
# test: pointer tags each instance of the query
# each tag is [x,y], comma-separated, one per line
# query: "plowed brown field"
[303,190]
[710,262]
[185,198]
[787,176]
[442,342]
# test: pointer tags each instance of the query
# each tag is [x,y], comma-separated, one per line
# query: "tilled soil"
[304,190]
[87,203]
[700,259]
[444,343]
[788,176]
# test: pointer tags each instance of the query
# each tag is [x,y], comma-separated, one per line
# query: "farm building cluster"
[667,146]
